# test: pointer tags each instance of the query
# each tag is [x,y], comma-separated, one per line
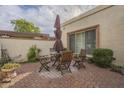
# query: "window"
[83,39]
[90,41]
[72,42]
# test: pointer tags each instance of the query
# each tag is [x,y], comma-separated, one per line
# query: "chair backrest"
[66,57]
[82,53]
[52,50]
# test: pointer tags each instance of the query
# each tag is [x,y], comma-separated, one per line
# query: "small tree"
[21,25]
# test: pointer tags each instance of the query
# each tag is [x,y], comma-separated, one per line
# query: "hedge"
[103,57]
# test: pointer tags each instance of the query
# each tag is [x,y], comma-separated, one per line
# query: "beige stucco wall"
[17,47]
[111,23]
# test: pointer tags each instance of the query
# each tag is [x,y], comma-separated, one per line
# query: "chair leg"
[58,67]
[41,68]
[57,59]
[74,64]
[83,65]
[69,69]
[46,67]
[52,59]
[61,71]
[78,66]
[54,63]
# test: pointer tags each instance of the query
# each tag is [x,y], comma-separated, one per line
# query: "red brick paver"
[92,76]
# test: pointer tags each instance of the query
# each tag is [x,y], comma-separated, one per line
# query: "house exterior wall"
[18,47]
[111,30]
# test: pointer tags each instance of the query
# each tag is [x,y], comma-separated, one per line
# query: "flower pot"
[8,74]
[14,74]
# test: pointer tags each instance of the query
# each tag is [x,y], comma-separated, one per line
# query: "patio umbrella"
[58,46]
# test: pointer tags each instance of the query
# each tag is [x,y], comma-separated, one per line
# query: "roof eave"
[86,14]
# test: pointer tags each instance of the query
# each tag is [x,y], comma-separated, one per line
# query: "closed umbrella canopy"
[57,23]
[58,46]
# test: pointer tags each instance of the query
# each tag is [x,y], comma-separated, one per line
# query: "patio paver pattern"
[92,76]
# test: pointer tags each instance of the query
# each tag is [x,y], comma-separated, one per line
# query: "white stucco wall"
[111,36]
[17,47]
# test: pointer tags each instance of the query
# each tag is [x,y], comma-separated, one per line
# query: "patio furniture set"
[61,61]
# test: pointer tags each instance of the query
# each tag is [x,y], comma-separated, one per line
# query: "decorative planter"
[8,74]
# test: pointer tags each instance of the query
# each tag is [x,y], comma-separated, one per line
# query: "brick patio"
[92,76]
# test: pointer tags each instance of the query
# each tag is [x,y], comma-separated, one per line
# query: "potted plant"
[9,71]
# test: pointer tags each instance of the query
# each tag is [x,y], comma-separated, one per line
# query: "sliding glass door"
[83,40]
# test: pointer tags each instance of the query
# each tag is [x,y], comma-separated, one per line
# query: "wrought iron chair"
[44,61]
[65,61]
[80,59]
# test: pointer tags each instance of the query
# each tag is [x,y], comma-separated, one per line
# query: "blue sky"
[41,15]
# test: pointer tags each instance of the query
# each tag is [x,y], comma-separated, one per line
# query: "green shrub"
[33,53]
[103,57]
[122,70]
[116,68]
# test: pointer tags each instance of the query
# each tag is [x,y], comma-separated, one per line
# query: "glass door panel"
[78,42]
[90,39]
[72,42]
[83,40]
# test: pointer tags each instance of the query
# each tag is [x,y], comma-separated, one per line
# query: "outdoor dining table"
[53,57]
[57,58]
